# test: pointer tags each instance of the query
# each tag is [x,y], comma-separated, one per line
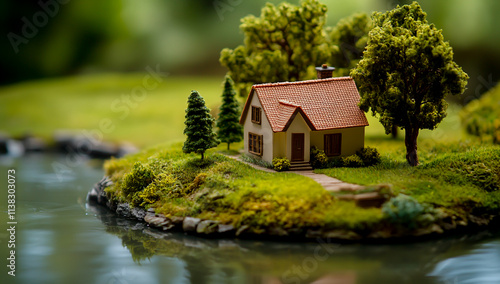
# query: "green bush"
[319,160]
[369,155]
[403,210]
[481,168]
[138,179]
[353,161]
[480,117]
[281,164]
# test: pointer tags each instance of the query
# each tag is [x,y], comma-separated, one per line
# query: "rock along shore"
[214,229]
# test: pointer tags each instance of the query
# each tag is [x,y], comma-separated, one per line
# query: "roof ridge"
[305,82]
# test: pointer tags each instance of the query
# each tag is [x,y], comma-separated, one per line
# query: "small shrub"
[197,182]
[403,210]
[353,161]
[138,179]
[335,162]
[369,155]
[281,164]
[319,160]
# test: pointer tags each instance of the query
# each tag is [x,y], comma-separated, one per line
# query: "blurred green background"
[186,37]
[61,38]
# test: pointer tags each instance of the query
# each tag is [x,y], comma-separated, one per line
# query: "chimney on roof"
[324,72]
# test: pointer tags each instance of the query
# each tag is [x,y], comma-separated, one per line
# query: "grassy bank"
[229,191]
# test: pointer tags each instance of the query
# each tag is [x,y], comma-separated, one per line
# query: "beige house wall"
[262,129]
[279,149]
[353,139]
[298,125]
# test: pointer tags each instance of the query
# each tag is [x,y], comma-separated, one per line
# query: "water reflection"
[481,265]
[240,261]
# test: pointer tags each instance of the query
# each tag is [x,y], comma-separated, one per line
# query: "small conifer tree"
[229,129]
[200,135]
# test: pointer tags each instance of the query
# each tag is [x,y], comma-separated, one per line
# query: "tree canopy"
[283,44]
[350,35]
[200,135]
[406,72]
[229,129]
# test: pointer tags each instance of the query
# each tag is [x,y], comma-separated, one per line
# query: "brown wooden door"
[297,147]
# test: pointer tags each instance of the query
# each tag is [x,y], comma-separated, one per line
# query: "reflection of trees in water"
[240,261]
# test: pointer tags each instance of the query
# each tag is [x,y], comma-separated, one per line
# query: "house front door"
[297,147]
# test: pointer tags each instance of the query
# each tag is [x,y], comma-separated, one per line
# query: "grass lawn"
[77,103]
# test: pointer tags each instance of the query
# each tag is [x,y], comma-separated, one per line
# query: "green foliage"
[281,164]
[403,210]
[370,156]
[283,44]
[200,135]
[406,71]
[481,117]
[352,161]
[136,180]
[481,168]
[350,35]
[152,193]
[319,160]
[258,161]
[228,123]
[195,185]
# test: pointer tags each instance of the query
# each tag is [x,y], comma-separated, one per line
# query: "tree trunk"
[394,131]
[228,146]
[411,135]
[203,155]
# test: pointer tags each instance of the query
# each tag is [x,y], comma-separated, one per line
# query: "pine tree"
[229,128]
[200,135]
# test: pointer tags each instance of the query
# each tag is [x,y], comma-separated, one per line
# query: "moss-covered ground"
[229,191]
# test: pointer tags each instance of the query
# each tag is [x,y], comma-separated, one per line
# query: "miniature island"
[296,163]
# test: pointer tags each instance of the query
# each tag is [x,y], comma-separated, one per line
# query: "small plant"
[403,210]
[281,164]
[319,160]
[138,179]
[369,155]
[353,161]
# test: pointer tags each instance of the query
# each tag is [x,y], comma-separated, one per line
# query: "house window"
[333,144]
[255,144]
[256,115]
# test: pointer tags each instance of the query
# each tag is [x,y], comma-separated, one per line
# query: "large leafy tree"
[406,71]
[200,135]
[229,129]
[350,35]
[284,44]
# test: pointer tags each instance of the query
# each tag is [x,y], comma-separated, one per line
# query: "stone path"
[329,183]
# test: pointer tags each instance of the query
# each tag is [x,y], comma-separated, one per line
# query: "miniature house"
[287,119]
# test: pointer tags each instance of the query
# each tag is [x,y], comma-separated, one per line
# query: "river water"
[61,239]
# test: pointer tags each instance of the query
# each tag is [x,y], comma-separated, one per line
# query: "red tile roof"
[325,103]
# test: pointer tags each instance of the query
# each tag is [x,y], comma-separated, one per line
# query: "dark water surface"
[61,239]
